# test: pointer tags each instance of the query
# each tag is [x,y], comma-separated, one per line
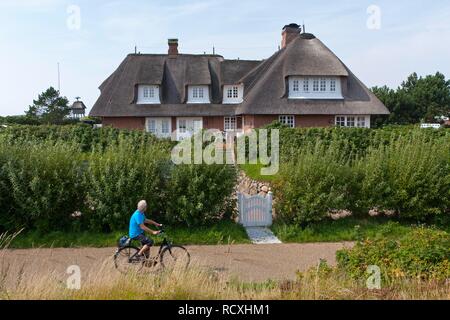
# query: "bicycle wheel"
[175,257]
[125,260]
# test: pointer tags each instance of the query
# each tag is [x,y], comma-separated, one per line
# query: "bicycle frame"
[164,244]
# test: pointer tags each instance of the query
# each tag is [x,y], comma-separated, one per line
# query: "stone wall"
[249,186]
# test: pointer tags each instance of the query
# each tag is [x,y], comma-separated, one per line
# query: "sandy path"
[246,262]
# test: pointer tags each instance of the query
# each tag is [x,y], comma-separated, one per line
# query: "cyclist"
[138,227]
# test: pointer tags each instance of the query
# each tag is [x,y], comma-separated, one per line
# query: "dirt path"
[246,262]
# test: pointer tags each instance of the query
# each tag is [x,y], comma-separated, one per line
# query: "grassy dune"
[196,284]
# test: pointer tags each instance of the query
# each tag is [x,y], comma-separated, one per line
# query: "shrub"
[354,141]
[199,194]
[411,176]
[422,253]
[42,185]
[82,134]
[121,176]
[316,181]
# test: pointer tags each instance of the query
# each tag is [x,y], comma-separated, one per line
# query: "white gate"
[255,211]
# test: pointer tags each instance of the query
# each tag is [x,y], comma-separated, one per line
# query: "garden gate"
[255,211]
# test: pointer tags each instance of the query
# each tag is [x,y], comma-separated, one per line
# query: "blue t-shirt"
[136,220]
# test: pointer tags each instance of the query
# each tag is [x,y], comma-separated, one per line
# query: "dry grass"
[197,283]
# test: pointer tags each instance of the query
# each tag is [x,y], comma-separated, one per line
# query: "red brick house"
[304,84]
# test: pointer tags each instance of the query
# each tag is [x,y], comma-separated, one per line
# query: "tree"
[417,99]
[50,107]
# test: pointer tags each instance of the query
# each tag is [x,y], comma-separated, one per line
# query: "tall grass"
[201,284]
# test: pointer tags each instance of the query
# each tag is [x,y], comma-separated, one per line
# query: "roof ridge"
[180,54]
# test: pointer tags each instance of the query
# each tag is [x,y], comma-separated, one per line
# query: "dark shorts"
[144,240]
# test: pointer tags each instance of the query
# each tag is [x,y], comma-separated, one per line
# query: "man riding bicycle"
[138,227]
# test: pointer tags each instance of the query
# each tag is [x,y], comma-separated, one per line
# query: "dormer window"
[148,94]
[315,88]
[198,94]
[315,85]
[333,85]
[233,94]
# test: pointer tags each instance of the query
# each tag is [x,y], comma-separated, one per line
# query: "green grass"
[254,171]
[225,232]
[351,229]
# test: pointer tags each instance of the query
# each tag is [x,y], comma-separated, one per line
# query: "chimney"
[290,32]
[173,47]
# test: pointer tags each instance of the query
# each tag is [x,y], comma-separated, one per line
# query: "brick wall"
[213,123]
[314,121]
[258,121]
[132,123]
[217,122]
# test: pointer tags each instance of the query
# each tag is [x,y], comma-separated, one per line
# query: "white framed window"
[186,127]
[233,94]
[361,122]
[160,127]
[305,85]
[333,85]
[315,85]
[353,121]
[165,126]
[315,88]
[182,125]
[229,93]
[148,94]
[152,126]
[287,120]
[323,85]
[340,121]
[198,94]
[230,123]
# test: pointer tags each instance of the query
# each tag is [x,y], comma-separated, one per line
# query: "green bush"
[41,186]
[318,180]
[355,141]
[200,194]
[120,177]
[49,172]
[422,253]
[82,134]
[410,176]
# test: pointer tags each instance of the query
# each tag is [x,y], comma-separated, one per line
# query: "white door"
[187,127]
[160,127]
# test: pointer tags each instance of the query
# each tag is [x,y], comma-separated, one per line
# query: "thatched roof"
[265,89]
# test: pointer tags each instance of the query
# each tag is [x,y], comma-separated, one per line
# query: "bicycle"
[169,256]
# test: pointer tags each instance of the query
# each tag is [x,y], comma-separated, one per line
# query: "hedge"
[47,176]
[408,176]
[421,254]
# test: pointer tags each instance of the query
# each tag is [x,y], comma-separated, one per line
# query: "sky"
[382,41]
